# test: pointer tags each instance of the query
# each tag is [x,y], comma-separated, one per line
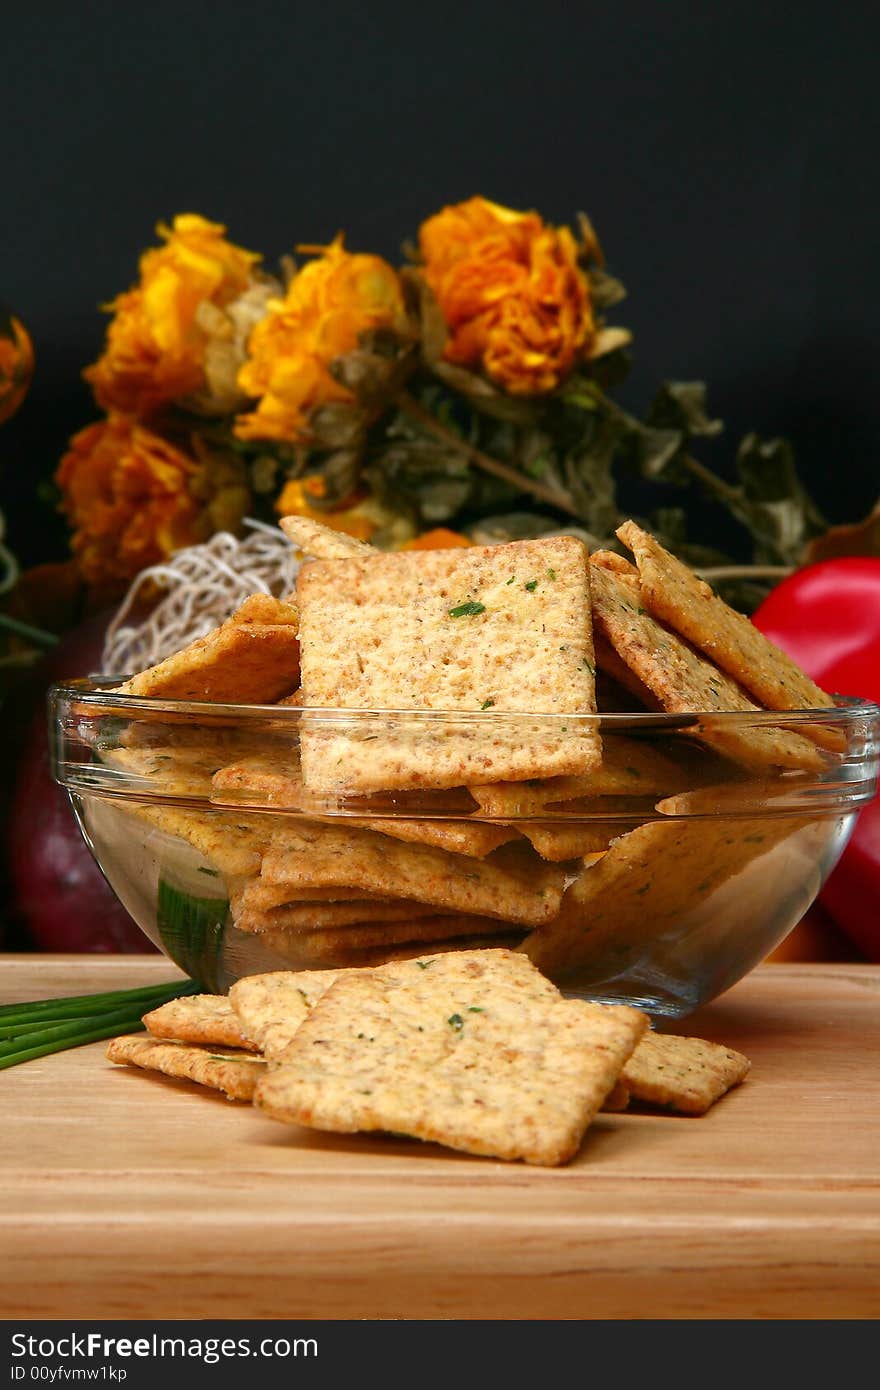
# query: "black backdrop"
[726,151]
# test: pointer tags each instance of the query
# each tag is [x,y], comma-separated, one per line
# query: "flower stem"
[30,634]
[720,572]
[561,500]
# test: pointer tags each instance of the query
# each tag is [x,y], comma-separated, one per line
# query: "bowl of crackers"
[586,759]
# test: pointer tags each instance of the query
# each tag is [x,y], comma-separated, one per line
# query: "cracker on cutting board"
[202,1019]
[233,1073]
[674,594]
[685,1074]
[463,1050]
[505,629]
[271,1007]
[242,661]
[684,682]
[319,542]
[512,883]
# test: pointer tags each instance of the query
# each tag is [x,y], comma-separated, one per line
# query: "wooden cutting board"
[130,1195]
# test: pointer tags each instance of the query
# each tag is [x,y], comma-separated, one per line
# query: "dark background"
[725,151]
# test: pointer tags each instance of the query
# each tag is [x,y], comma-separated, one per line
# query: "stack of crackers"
[475,1050]
[473,797]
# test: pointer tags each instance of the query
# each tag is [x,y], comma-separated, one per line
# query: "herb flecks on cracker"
[677,596]
[685,1074]
[684,682]
[519,1076]
[394,632]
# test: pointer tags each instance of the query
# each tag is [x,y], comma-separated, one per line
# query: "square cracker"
[231,844]
[233,1073]
[292,948]
[244,661]
[629,767]
[310,917]
[684,682]
[677,596]
[319,542]
[503,628]
[648,883]
[687,1074]
[261,780]
[271,1007]
[463,1050]
[512,883]
[206,1020]
[263,897]
[333,946]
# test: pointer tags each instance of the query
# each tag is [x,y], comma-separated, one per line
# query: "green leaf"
[681,405]
[773,502]
[338,425]
[485,397]
[605,290]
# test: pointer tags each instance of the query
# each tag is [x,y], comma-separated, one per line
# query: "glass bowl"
[660,881]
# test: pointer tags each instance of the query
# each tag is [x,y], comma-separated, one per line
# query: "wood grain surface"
[124,1194]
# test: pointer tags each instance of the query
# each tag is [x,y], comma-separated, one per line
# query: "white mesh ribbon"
[203,585]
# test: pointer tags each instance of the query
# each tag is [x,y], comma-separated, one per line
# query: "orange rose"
[16,364]
[511,291]
[328,305]
[133,499]
[156,342]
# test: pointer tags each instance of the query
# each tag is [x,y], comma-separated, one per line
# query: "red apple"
[60,899]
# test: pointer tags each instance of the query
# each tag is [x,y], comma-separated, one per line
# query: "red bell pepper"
[827,617]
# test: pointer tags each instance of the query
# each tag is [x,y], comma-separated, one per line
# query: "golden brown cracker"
[618,1097]
[263,608]
[490,628]
[685,1074]
[461,1050]
[204,1020]
[561,842]
[232,844]
[684,682]
[349,941]
[320,542]
[629,767]
[311,917]
[510,884]
[233,1073]
[674,594]
[270,1007]
[618,564]
[647,884]
[292,948]
[257,894]
[261,780]
[241,662]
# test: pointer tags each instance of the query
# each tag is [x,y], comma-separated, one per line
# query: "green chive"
[467,610]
